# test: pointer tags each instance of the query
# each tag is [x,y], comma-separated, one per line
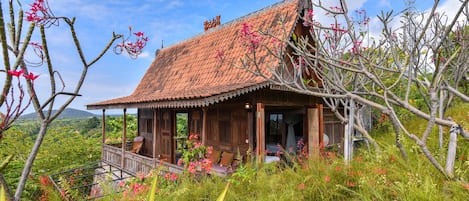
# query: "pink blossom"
[16,73]
[197,145]
[139,34]
[193,137]
[137,188]
[220,55]
[30,76]
[38,12]
[192,167]
[209,150]
[171,176]
[121,184]
[206,165]
[250,38]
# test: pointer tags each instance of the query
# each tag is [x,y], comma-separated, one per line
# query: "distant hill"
[66,114]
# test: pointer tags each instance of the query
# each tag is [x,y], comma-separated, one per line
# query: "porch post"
[204,125]
[155,131]
[249,131]
[315,130]
[103,131]
[124,136]
[103,125]
[260,132]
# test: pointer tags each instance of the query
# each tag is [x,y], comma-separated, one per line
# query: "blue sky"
[168,20]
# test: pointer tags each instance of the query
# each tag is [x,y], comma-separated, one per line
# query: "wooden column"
[103,126]
[204,125]
[315,130]
[103,131]
[249,132]
[155,132]
[321,124]
[260,132]
[124,136]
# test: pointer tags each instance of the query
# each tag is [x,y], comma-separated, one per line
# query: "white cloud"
[384,3]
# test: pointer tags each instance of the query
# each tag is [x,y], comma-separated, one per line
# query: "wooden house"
[230,108]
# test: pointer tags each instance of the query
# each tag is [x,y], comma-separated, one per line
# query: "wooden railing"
[134,163]
[112,155]
[137,163]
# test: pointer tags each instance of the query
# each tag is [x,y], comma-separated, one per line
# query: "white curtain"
[291,120]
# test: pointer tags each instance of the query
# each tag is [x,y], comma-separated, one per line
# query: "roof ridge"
[233,21]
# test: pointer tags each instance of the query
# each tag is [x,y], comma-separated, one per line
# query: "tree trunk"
[440,113]
[453,138]
[29,163]
[397,130]
[348,141]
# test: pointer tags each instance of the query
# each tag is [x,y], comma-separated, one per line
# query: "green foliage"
[368,177]
[64,147]
[181,125]
[114,128]
[194,158]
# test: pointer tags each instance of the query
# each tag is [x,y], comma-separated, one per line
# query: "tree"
[348,67]
[16,43]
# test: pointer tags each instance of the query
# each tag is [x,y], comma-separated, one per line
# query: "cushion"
[136,147]
[137,144]
[226,159]
[215,156]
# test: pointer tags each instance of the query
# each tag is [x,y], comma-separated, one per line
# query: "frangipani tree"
[17,29]
[425,57]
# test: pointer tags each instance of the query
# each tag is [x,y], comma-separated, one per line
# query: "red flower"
[171,176]
[327,178]
[337,169]
[44,180]
[30,76]
[16,73]
[301,186]
[466,186]
[380,171]
[193,137]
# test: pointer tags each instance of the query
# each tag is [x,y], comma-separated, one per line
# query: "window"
[275,124]
[274,129]
[149,126]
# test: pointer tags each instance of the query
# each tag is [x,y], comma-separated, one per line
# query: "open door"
[166,145]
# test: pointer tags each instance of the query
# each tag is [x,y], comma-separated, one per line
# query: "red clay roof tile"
[190,70]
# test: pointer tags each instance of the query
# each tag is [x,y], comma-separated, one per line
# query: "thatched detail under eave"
[179,103]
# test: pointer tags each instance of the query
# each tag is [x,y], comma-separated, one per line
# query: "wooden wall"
[227,128]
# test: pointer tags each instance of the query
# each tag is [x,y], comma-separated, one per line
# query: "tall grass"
[368,177]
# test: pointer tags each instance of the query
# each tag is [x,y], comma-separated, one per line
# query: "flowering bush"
[195,157]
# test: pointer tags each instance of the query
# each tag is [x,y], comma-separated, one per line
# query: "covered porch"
[258,124]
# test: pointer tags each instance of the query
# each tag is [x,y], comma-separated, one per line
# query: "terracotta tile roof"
[189,73]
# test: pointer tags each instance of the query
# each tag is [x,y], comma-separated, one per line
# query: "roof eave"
[182,103]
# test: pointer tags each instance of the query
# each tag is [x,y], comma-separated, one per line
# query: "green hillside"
[66,114]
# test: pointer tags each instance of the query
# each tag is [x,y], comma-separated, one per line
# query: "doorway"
[182,133]
[283,130]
